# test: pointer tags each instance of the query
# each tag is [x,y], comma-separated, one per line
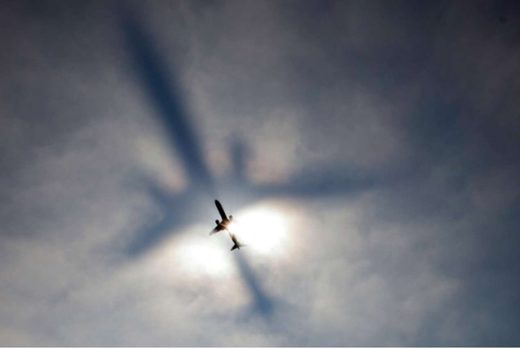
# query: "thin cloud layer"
[384,133]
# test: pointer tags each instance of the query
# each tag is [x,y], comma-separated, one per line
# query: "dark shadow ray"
[316,182]
[176,211]
[239,154]
[150,236]
[166,95]
[262,304]
[309,186]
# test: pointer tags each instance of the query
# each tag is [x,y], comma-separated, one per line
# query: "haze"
[367,150]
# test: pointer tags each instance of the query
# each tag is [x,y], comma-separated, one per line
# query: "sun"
[195,255]
[204,257]
[262,228]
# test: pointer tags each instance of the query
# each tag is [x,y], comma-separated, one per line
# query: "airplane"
[237,244]
[224,224]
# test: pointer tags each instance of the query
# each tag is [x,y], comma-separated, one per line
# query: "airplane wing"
[215,230]
[221,210]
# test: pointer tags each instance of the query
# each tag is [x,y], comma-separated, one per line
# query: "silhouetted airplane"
[224,224]
[237,244]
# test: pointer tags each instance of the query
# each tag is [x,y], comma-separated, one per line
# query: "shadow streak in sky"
[261,303]
[167,98]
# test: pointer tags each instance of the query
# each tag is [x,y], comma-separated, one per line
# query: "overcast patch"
[384,136]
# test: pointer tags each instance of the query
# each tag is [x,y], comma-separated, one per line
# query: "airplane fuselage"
[224,224]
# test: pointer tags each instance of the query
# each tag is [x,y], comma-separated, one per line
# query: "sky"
[368,152]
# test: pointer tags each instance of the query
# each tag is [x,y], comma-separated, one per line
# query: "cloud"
[419,99]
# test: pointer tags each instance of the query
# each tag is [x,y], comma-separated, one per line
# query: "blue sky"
[367,150]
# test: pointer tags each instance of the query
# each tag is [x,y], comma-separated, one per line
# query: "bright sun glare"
[203,255]
[262,228]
